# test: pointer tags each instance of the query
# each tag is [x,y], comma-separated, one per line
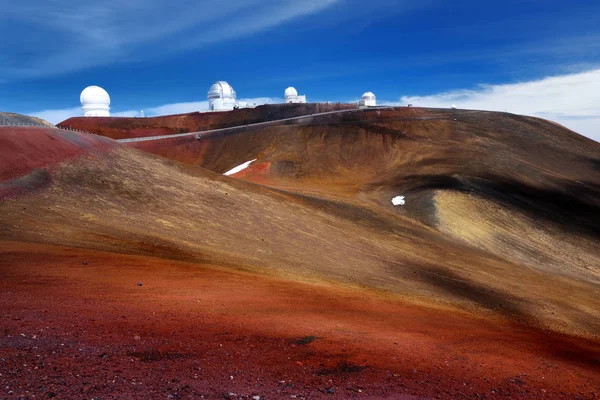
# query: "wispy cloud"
[572,100]
[56,116]
[71,35]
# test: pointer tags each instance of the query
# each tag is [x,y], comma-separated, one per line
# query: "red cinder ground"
[258,173]
[124,127]
[27,154]
[77,323]
[75,330]
[23,149]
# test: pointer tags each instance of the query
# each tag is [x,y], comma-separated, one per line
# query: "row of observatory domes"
[95,101]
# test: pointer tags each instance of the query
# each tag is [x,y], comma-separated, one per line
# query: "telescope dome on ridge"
[368,99]
[291,96]
[221,97]
[290,92]
[95,102]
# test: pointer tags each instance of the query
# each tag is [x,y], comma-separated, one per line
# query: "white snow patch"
[239,168]
[398,201]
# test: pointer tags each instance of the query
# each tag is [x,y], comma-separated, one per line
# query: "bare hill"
[7,118]
[522,188]
[469,244]
[140,276]
[122,127]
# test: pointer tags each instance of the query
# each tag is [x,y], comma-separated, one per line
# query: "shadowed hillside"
[475,231]
[523,189]
[138,276]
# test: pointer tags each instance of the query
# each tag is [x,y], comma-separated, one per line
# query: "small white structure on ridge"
[368,100]
[221,97]
[291,96]
[95,102]
[453,106]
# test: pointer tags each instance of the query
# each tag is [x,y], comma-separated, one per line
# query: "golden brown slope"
[523,189]
[132,202]
[532,167]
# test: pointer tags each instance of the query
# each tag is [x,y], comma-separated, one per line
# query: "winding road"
[268,123]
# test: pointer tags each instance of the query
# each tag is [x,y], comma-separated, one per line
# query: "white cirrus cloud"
[56,116]
[572,100]
[59,115]
[70,35]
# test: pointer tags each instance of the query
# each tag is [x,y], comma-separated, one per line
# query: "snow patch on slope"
[239,168]
[398,201]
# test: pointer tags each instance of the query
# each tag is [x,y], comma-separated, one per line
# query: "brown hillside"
[486,280]
[522,188]
[468,235]
[121,127]
[28,153]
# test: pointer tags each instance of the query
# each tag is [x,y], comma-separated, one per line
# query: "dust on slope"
[131,202]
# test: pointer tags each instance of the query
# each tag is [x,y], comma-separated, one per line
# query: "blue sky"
[537,57]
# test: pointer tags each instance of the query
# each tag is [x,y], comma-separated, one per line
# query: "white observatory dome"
[95,102]
[290,92]
[291,96]
[368,96]
[221,96]
[368,100]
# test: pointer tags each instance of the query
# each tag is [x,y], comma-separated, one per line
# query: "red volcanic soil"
[24,151]
[76,324]
[371,143]
[258,173]
[127,275]
[122,128]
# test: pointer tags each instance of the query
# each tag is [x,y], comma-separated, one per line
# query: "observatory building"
[368,100]
[95,102]
[221,97]
[291,96]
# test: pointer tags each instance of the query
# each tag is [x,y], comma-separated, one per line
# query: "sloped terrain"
[7,118]
[131,202]
[523,189]
[534,171]
[125,127]
[491,262]
[29,153]
[72,331]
